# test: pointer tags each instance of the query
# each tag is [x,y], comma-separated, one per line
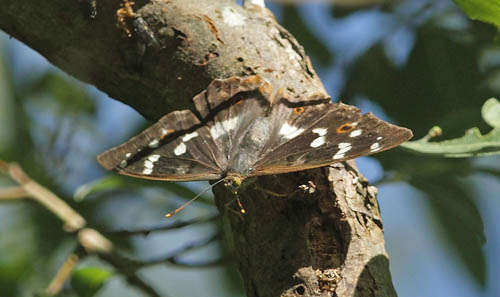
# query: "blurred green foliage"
[87,281]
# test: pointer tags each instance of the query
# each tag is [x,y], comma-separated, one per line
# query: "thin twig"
[94,242]
[62,275]
[72,220]
[165,227]
[13,193]
[171,257]
[208,263]
[129,268]
[136,281]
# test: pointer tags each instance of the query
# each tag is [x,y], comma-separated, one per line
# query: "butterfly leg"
[310,188]
[269,192]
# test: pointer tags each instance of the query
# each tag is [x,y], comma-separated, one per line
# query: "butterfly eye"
[347,127]
[298,110]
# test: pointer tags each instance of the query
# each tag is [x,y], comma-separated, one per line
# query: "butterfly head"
[233,183]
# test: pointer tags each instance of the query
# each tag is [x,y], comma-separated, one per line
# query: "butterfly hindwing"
[231,107]
[175,148]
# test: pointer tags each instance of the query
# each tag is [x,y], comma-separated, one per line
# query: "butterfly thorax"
[248,145]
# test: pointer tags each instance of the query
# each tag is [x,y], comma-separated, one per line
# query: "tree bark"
[324,237]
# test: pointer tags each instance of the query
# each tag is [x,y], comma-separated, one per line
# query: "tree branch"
[325,241]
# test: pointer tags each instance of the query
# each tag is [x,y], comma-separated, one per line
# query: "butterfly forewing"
[336,132]
[175,148]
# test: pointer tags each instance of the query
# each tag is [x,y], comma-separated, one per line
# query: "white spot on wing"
[230,124]
[182,170]
[154,143]
[356,133]
[318,141]
[344,147]
[290,132]
[287,129]
[180,149]
[217,130]
[189,136]
[148,164]
[375,147]
[338,156]
[128,155]
[379,138]
[231,17]
[221,128]
[344,150]
[320,131]
[154,158]
[147,171]
[123,164]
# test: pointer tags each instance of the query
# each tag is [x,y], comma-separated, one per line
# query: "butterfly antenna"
[170,214]
[240,205]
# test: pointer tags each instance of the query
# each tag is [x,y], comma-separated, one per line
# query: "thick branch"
[198,41]
[325,237]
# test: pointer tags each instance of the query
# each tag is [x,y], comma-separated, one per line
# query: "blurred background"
[415,63]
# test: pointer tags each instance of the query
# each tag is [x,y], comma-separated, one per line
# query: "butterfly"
[240,129]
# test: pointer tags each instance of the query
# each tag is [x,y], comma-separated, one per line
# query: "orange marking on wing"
[298,110]
[344,128]
[169,131]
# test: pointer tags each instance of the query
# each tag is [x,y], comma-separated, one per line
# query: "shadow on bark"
[375,280]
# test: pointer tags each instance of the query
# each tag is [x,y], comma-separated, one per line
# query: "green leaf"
[472,144]
[86,282]
[107,183]
[491,112]
[487,11]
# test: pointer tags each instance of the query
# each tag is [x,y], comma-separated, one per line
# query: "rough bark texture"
[325,237]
